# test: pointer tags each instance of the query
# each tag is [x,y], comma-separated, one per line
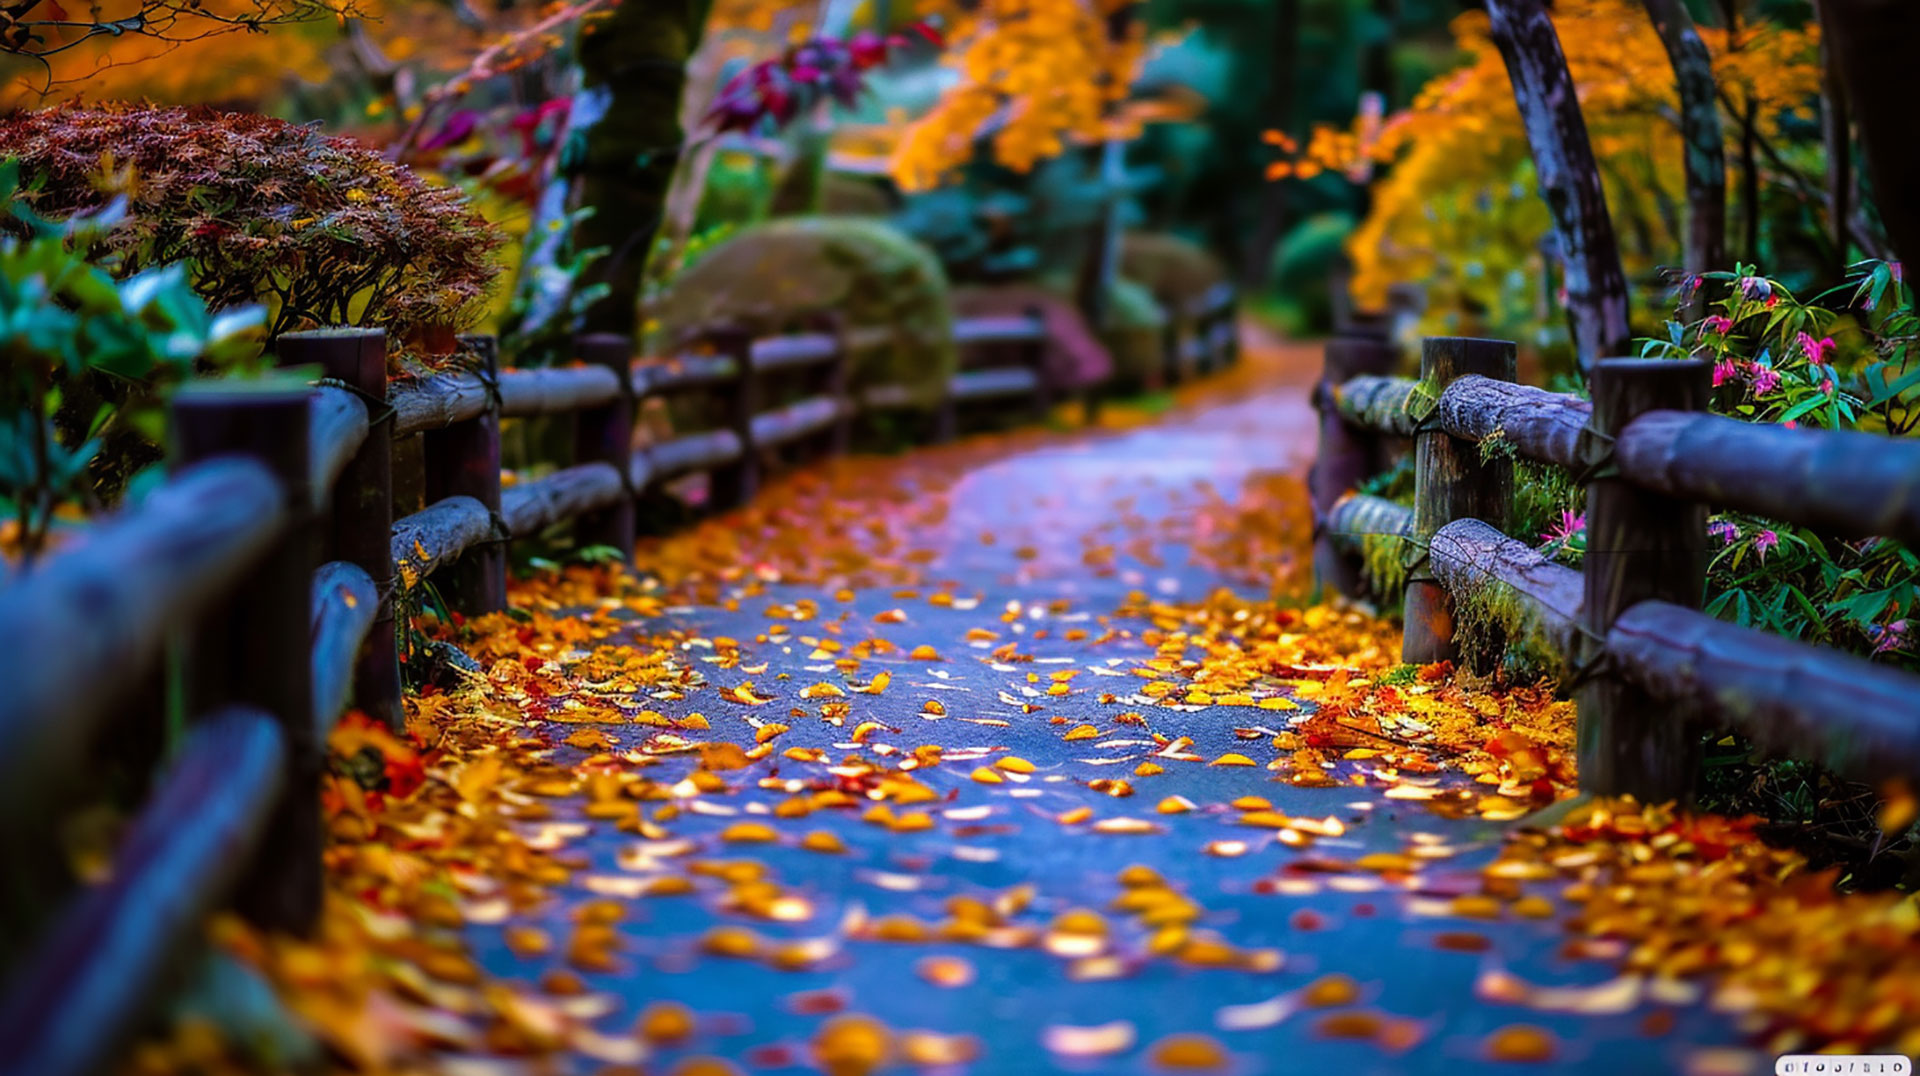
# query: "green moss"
[1383,560]
[1495,627]
[1174,269]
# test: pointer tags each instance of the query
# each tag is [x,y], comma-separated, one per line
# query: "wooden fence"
[1649,671]
[268,565]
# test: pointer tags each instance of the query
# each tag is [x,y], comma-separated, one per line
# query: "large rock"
[780,275]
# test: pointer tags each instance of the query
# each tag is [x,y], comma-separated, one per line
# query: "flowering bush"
[1843,360]
[1778,359]
[772,92]
[320,229]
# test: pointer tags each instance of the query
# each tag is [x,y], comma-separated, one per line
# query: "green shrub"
[319,229]
[1302,265]
[91,360]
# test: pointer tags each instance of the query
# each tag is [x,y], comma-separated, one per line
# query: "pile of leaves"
[320,229]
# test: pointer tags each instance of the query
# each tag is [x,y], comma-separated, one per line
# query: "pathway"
[997,757]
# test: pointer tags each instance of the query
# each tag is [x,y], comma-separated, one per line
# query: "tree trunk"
[633,68]
[1258,257]
[1835,132]
[1101,266]
[1596,285]
[1706,164]
[1874,43]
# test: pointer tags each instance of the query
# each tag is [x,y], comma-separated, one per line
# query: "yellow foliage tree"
[1036,75]
[1458,211]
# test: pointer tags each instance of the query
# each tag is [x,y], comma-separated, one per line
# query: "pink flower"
[1724,371]
[1815,350]
[1571,523]
[1764,541]
[1765,380]
[1826,385]
[1717,323]
[1888,636]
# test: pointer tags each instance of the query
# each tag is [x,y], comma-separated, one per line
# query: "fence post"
[605,434]
[1641,546]
[1168,375]
[463,460]
[252,648]
[735,484]
[361,525]
[838,384]
[1345,457]
[1451,481]
[1230,319]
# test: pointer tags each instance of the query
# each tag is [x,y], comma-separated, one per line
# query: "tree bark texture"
[345,605]
[534,506]
[1706,164]
[1467,555]
[633,68]
[1642,545]
[1452,480]
[1346,456]
[1874,44]
[1569,179]
[1540,425]
[1839,482]
[1850,715]
[99,974]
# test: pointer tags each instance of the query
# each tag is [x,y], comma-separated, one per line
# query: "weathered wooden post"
[1641,546]
[1451,481]
[734,484]
[1230,322]
[252,648]
[1346,456]
[360,528]
[605,434]
[1170,348]
[839,386]
[946,417]
[463,460]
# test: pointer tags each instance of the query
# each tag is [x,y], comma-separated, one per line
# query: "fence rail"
[1649,669]
[266,570]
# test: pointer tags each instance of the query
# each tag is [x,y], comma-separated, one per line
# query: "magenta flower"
[1826,385]
[1717,323]
[1765,380]
[1724,371]
[1815,350]
[1764,541]
[1571,523]
[1887,637]
[1724,530]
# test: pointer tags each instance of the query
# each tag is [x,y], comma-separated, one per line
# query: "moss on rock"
[1175,270]
[776,275]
